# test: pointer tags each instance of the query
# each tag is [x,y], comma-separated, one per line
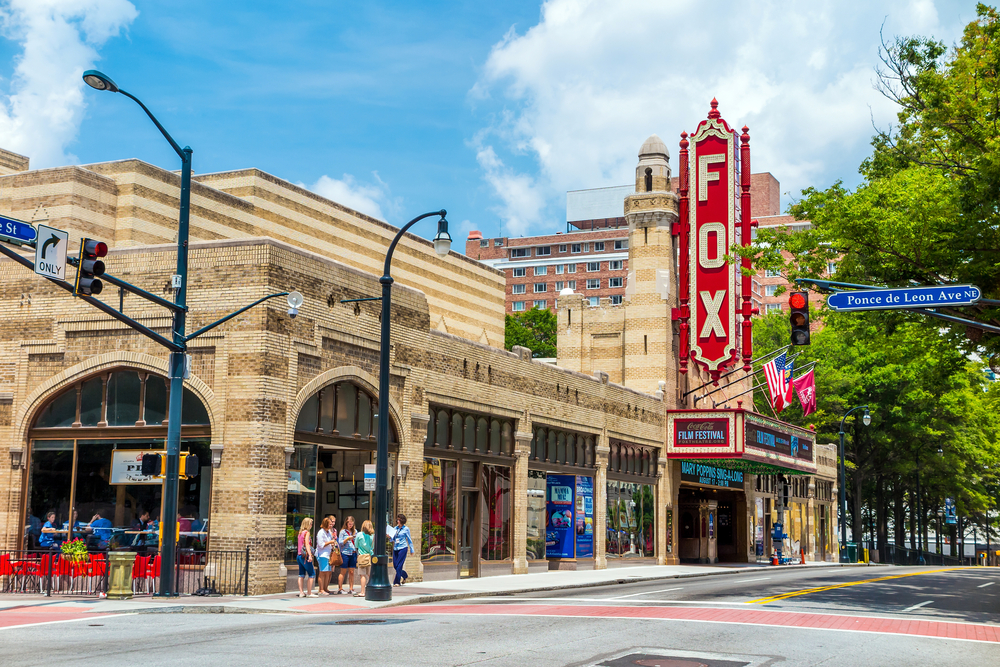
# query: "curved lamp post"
[379,589]
[100,81]
[866,419]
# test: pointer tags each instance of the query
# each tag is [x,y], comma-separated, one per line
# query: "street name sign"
[15,230]
[50,252]
[907,297]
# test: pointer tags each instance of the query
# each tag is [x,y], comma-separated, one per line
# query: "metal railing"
[905,556]
[49,572]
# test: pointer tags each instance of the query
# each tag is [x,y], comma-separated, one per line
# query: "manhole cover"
[367,621]
[651,660]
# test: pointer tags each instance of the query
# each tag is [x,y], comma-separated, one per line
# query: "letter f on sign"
[705,176]
[713,304]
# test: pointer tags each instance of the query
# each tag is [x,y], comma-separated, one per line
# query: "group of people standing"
[349,551]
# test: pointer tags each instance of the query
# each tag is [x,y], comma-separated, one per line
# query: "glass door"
[468,550]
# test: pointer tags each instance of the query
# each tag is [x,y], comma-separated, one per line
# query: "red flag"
[805,387]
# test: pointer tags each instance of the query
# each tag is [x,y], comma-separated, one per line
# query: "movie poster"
[584,517]
[559,531]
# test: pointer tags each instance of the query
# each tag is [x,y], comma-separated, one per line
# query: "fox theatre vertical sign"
[714,195]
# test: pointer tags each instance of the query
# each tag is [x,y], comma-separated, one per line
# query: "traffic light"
[189,466]
[798,303]
[152,465]
[90,267]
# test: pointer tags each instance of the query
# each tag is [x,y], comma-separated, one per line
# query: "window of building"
[543,250]
[541,270]
[572,284]
[599,246]
[769,290]
[484,243]
[537,488]
[616,265]
[571,268]
[593,267]
[630,520]
[621,244]
[593,283]
[518,273]
[560,285]
[614,282]
[560,268]
[517,306]
[768,273]
[562,248]
[586,247]
[774,307]
[616,299]
[495,519]
[540,287]
[575,247]
[520,252]
[540,304]
[831,268]
[517,289]
[440,500]
[594,301]
[497,243]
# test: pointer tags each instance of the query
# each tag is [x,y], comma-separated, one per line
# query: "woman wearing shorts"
[365,543]
[306,570]
[350,555]
[325,539]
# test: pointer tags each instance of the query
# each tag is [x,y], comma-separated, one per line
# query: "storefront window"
[440,493]
[536,515]
[301,495]
[495,519]
[630,520]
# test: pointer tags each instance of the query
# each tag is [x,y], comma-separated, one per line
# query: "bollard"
[120,574]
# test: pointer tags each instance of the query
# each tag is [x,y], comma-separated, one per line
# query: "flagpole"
[698,398]
[808,367]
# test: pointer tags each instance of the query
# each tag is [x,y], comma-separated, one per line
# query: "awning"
[740,440]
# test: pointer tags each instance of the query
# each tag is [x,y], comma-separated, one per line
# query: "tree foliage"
[534,329]
[928,209]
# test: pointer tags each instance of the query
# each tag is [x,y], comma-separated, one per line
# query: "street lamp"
[379,589]
[866,420]
[178,351]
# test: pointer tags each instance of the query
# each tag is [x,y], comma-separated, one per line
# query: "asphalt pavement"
[805,616]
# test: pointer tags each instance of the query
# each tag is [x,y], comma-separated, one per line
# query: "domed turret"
[653,172]
[654,146]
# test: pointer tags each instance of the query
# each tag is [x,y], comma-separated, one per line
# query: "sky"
[489,110]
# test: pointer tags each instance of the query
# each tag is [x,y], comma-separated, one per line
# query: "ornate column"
[601,452]
[522,449]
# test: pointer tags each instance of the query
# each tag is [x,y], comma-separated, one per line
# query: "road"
[837,616]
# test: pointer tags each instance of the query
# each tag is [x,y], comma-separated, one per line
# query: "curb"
[441,597]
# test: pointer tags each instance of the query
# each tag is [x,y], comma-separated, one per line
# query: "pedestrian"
[350,555]
[401,541]
[365,543]
[305,557]
[325,539]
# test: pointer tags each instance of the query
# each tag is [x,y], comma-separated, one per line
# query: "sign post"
[50,252]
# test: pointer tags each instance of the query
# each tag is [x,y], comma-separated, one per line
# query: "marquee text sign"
[711,172]
[699,473]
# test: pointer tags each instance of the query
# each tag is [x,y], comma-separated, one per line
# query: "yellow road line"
[819,589]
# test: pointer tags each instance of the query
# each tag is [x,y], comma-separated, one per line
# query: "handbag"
[335,558]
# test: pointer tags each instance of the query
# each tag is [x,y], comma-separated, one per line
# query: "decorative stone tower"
[651,291]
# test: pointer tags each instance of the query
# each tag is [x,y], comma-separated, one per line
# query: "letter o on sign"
[720,245]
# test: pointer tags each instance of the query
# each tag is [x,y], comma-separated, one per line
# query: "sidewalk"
[416,593]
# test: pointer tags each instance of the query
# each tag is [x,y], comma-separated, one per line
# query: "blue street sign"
[15,230]
[906,297]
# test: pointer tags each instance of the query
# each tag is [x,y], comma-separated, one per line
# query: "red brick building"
[591,256]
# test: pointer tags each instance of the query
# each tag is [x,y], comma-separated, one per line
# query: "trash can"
[852,552]
[120,574]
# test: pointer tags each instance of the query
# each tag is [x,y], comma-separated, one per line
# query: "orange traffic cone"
[774,559]
[803,556]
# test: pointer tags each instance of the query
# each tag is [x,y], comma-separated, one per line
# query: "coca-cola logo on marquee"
[701,432]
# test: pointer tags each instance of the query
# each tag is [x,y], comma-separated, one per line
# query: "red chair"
[139,573]
[152,573]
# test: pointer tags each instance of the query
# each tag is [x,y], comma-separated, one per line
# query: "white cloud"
[44,105]
[584,87]
[358,196]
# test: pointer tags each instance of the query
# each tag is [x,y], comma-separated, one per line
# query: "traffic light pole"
[171,481]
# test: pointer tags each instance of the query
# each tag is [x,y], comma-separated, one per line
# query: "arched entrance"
[85,444]
[334,439]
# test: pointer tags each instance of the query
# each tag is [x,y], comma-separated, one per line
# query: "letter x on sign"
[713,304]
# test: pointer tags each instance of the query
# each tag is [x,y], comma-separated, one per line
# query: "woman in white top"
[325,539]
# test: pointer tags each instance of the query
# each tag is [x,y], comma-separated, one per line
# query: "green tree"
[534,329]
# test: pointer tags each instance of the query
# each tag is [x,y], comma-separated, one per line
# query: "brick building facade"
[280,410]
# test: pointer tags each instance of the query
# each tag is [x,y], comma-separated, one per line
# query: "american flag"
[779,381]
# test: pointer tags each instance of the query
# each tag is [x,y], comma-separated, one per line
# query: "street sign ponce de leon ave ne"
[907,297]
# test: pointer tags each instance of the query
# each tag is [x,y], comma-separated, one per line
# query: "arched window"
[345,410]
[649,179]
